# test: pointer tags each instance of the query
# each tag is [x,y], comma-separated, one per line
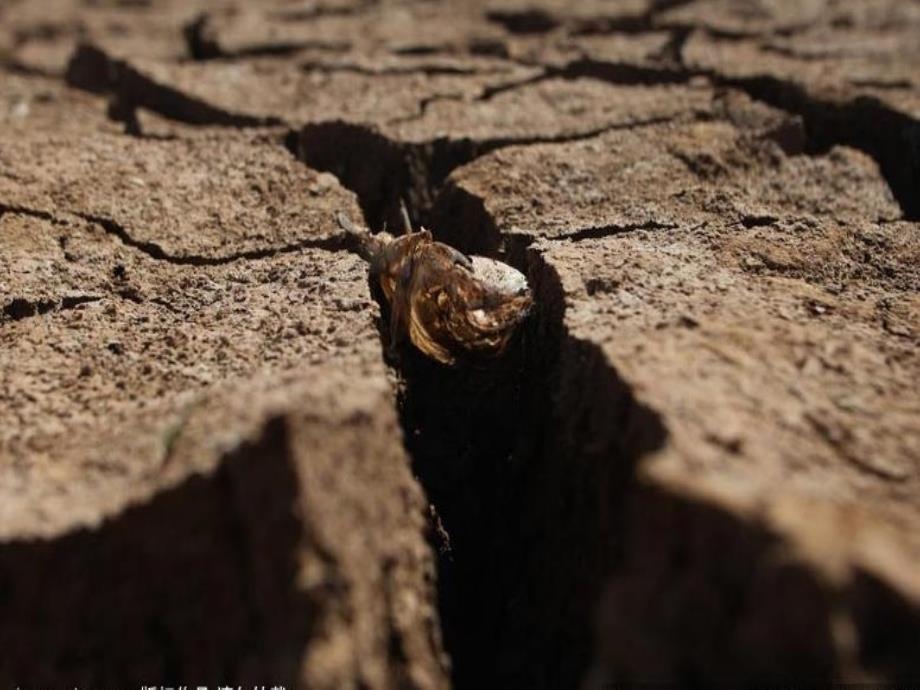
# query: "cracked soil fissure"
[891,138]
[154,251]
[502,450]
[415,173]
[888,136]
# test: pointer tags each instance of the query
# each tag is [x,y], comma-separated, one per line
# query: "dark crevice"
[424,105]
[203,44]
[752,221]
[505,453]
[93,70]
[491,92]
[504,449]
[337,242]
[279,50]
[537,21]
[73,301]
[423,69]
[601,231]
[608,72]
[77,300]
[811,55]
[20,308]
[476,46]
[463,221]
[373,166]
[623,73]
[420,50]
[531,21]
[731,35]
[884,84]
[603,26]
[889,625]
[16,210]
[384,172]
[672,52]
[891,138]
[200,40]
[225,603]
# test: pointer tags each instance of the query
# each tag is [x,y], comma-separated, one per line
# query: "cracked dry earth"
[699,463]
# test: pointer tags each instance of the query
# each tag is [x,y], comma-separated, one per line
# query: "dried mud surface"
[699,463]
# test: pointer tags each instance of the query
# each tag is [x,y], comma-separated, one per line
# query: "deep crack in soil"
[384,172]
[506,452]
[891,138]
[155,251]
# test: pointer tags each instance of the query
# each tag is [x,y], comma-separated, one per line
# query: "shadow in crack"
[890,137]
[889,626]
[369,164]
[194,586]
[706,596]
[525,460]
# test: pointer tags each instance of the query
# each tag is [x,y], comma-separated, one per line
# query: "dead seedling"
[451,306]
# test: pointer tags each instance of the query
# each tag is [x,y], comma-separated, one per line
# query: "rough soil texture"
[699,463]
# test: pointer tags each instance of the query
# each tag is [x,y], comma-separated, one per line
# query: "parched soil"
[699,462]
